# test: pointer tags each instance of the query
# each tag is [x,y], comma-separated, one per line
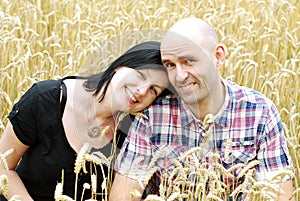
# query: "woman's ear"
[220,55]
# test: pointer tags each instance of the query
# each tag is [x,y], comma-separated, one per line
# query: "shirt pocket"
[239,152]
[164,156]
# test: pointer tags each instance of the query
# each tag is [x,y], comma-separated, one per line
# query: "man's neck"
[210,105]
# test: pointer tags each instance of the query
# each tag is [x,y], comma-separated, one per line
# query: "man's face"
[191,68]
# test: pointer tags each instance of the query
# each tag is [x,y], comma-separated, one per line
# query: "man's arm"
[122,188]
[288,189]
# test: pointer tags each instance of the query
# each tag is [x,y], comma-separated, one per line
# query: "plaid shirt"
[247,117]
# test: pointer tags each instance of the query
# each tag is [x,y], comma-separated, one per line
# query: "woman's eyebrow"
[147,72]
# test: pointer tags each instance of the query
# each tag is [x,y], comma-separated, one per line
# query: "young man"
[193,56]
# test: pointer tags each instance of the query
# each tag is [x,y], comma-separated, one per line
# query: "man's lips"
[186,87]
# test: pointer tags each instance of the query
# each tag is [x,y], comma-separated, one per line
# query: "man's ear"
[220,55]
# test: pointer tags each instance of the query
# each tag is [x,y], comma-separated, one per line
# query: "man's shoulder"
[164,105]
[243,93]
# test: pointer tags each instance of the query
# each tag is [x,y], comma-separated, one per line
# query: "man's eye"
[189,61]
[169,65]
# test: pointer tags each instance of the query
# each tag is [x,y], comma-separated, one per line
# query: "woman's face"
[135,89]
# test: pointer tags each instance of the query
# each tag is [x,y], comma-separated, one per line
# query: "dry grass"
[50,39]
[193,179]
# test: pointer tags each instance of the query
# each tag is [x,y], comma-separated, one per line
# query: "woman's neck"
[94,119]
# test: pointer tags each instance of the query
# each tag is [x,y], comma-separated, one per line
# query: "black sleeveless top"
[37,122]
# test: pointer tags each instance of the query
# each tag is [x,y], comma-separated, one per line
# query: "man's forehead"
[175,37]
[178,54]
[173,41]
[184,49]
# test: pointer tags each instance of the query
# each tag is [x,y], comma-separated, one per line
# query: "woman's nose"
[142,90]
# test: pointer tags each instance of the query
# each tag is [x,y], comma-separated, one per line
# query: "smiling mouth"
[131,96]
[187,87]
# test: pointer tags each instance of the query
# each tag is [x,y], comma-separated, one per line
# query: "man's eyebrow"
[183,57]
[188,56]
[165,60]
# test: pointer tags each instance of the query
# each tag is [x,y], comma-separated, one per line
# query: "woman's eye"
[142,75]
[153,90]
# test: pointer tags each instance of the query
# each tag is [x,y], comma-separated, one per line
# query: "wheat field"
[43,39]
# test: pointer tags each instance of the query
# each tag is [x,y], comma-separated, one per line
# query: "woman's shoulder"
[74,84]
[46,85]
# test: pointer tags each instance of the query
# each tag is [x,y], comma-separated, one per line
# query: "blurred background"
[49,39]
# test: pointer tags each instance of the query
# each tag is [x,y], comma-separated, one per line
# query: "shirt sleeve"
[273,153]
[135,156]
[23,116]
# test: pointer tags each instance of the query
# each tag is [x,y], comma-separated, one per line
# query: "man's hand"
[122,188]
[288,189]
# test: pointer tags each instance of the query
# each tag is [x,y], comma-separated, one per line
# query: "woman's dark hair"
[141,56]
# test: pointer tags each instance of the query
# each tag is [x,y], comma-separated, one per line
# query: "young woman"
[54,118]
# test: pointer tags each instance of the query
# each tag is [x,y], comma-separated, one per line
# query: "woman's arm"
[9,140]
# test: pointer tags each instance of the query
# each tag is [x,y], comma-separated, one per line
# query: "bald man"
[192,54]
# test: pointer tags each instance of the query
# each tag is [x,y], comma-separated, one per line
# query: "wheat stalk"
[3,157]
[52,39]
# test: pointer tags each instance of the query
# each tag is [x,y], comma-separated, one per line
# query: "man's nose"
[181,73]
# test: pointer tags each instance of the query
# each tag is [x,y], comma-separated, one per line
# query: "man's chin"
[190,100]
